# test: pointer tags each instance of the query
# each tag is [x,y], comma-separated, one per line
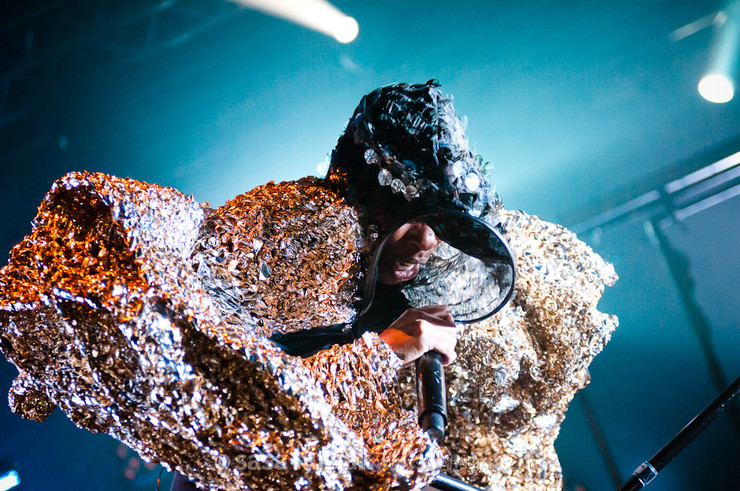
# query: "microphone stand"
[648,470]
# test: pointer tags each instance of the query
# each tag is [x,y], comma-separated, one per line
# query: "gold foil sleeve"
[358,380]
[517,371]
[286,256]
[112,311]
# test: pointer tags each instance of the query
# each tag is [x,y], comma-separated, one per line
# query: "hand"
[420,330]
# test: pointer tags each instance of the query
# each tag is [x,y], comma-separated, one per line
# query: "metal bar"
[617,212]
[707,203]
[694,27]
[703,173]
[672,197]
[647,471]
[706,188]
[447,483]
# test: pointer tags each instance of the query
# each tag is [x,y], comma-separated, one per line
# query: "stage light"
[9,480]
[346,30]
[716,87]
[319,15]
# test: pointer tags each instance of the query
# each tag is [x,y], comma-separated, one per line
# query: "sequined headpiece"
[404,157]
[405,145]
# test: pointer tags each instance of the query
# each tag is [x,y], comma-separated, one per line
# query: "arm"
[358,382]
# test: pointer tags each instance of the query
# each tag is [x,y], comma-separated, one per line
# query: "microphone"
[431,394]
[432,397]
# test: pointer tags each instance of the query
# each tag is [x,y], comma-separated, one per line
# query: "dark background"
[582,106]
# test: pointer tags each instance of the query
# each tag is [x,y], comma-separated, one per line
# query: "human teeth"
[405,266]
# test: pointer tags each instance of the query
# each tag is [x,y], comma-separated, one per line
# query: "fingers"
[420,330]
[436,314]
[442,340]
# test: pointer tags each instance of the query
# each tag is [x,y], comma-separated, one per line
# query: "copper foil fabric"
[120,309]
[144,315]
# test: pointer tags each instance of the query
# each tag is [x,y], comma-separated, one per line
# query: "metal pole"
[447,483]
[648,470]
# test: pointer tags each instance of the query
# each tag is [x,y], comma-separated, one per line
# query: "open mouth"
[406,271]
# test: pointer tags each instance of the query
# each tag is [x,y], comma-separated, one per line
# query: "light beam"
[718,86]
[318,15]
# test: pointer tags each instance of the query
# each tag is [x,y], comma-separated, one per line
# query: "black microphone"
[432,394]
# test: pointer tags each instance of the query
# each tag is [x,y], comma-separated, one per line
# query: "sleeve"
[105,317]
[308,342]
[359,381]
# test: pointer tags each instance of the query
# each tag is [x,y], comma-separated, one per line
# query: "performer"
[402,157]
[146,315]
[403,161]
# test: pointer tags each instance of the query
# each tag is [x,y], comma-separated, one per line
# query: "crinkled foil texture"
[120,309]
[517,371]
[286,255]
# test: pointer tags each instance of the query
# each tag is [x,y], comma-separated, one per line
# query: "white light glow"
[346,30]
[716,87]
[322,168]
[318,15]
[9,480]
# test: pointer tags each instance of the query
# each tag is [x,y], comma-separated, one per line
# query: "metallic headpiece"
[405,157]
[405,141]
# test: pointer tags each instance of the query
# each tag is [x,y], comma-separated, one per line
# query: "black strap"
[388,304]
[310,341]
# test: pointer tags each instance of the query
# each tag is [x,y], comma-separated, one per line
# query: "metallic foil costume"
[142,314]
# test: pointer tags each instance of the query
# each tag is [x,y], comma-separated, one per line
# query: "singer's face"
[406,250]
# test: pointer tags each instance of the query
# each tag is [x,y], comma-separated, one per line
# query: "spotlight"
[716,87]
[319,15]
[9,480]
[346,30]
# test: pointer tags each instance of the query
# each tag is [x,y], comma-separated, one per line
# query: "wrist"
[383,348]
